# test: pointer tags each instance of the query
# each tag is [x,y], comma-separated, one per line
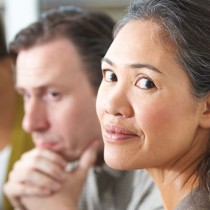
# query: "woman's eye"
[145,83]
[109,76]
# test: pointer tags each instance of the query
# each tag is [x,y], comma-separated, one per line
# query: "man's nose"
[35,117]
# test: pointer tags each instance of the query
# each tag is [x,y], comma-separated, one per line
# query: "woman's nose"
[117,103]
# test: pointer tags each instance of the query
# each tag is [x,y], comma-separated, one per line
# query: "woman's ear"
[205,118]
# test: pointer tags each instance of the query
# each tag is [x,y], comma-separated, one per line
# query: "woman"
[154,104]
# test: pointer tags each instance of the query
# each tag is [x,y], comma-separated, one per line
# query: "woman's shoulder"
[198,199]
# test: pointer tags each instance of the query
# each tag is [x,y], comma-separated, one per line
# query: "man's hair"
[90,32]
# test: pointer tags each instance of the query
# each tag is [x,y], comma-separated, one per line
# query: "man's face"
[59,101]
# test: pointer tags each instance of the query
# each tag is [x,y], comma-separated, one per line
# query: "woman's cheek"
[152,120]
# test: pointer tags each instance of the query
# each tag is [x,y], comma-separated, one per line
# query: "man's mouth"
[55,146]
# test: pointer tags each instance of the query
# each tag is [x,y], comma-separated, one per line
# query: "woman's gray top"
[196,200]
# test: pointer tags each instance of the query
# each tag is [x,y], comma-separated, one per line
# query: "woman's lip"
[116,133]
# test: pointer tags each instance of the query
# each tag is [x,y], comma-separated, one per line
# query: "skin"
[148,112]
[66,198]
[60,113]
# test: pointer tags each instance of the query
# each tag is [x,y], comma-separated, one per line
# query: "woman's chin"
[122,156]
[117,161]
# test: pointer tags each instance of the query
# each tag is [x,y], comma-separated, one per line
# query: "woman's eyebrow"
[134,66]
[141,65]
[107,61]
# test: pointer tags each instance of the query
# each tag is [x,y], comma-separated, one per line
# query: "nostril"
[119,108]
[113,113]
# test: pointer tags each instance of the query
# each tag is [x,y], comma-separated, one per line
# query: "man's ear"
[205,118]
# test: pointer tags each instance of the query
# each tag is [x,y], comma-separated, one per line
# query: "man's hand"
[67,196]
[39,172]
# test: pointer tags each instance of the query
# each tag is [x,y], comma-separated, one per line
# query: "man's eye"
[109,76]
[53,95]
[145,83]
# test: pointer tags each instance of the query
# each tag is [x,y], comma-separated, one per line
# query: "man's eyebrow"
[134,66]
[37,89]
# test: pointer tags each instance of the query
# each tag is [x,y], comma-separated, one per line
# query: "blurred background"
[19,13]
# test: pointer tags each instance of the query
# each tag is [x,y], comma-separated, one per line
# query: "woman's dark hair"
[186,24]
[90,32]
[3,47]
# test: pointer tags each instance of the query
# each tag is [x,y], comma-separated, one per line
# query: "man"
[58,73]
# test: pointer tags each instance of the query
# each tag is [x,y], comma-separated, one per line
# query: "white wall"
[18,14]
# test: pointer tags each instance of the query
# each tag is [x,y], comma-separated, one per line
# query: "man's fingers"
[41,161]
[45,154]
[36,179]
[16,190]
[19,208]
[14,200]
[35,175]
[28,170]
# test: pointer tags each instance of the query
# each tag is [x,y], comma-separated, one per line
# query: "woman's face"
[148,115]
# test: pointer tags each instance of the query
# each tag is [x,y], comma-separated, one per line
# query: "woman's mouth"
[115,133]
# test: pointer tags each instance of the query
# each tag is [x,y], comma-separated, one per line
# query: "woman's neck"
[179,177]
[174,186]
